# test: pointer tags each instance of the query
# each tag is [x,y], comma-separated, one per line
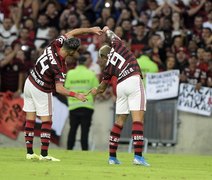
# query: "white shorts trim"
[130,95]
[36,100]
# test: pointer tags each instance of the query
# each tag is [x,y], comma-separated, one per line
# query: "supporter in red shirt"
[182,58]
[192,74]
[12,71]
[139,40]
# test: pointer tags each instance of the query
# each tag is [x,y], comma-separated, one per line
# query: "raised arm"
[78,31]
[110,34]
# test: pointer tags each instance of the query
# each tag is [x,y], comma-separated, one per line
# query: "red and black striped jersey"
[50,68]
[121,63]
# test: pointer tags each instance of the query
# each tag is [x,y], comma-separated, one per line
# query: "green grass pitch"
[78,165]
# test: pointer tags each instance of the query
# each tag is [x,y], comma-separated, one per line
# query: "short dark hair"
[71,44]
[82,59]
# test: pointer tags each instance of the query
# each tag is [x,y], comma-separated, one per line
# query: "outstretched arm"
[62,90]
[100,89]
[110,34]
[78,31]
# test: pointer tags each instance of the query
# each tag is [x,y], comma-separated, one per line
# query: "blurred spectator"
[208,23]
[110,22]
[157,53]
[139,40]
[105,14]
[53,33]
[52,12]
[90,64]
[192,74]
[42,30]
[151,10]
[69,20]
[197,28]
[177,43]
[125,14]
[170,63]
[12,71]
[206,38]
[133,8]
[177,24]
[30,25]
[93,47]
[8,31]
[206,58]
[29,8]
[166,31]
[181,58]
[127,29]
[192,46]
[155,25]
[26,45]
[5,7]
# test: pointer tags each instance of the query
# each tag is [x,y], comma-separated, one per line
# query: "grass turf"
[78,165]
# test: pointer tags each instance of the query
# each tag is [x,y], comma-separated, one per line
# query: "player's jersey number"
[115,58]
[41,60]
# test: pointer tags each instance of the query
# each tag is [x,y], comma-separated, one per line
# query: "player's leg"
[44,105]
[29,108]
[29,135]
[137,106]
[45,134]
[114,138]
[121,113]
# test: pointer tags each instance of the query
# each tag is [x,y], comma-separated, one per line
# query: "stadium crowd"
[173,34]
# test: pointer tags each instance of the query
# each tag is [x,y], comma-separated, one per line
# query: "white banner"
[162,85]
[191,100]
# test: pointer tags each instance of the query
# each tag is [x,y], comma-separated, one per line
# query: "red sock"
[114,139]
[29,135]
[45,137]
[138,137]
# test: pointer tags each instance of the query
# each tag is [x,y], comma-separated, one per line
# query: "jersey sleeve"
[116,42]
[60,40]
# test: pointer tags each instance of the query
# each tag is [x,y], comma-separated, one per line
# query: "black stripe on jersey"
[118,47]
[121,50]
[129,57]
[125,52]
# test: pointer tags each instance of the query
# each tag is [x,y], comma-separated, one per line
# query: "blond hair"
[104,51]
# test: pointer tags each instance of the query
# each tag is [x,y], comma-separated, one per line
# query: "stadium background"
[192,131]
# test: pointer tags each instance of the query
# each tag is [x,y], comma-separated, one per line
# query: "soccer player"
[121,63]
[48,75]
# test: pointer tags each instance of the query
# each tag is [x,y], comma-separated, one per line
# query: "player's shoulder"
[60,40]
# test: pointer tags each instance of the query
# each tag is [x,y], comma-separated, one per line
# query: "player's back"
[49,67]
[121,61]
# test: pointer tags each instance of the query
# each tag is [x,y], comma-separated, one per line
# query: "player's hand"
[93,91]
[97,30]
[81,97]
[105,28]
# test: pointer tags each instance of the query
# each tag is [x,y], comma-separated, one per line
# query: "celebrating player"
[121,63]
[48,75]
